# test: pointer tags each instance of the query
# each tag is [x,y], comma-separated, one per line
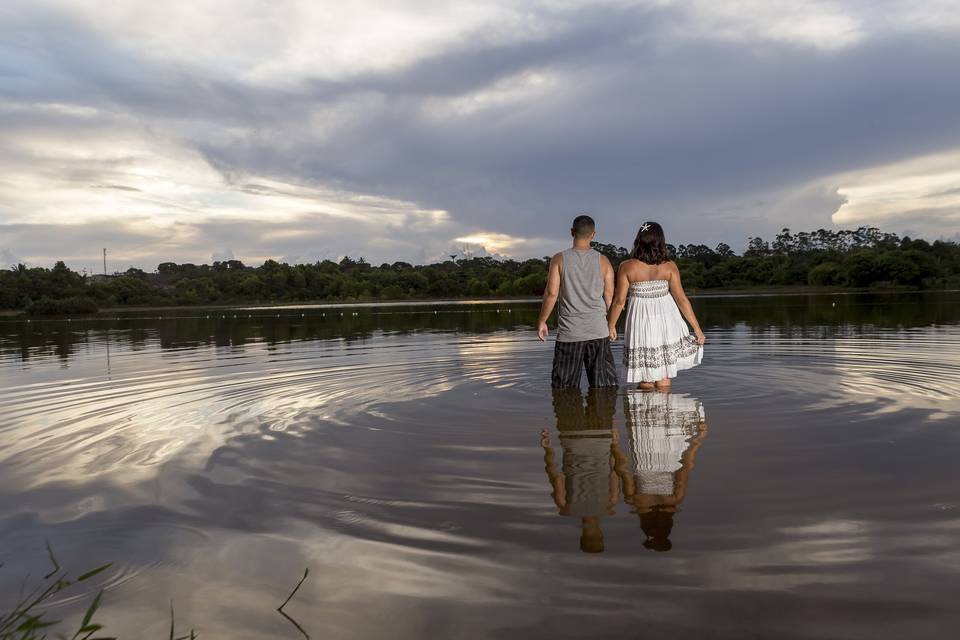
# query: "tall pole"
[104,261]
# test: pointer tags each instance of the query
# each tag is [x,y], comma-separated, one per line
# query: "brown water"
[801,483]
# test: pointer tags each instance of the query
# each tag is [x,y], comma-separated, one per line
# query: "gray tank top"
[583,311]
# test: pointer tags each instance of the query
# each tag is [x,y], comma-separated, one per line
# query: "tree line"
[862,258]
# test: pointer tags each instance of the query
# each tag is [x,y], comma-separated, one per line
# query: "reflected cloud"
[382,450]
[126,425]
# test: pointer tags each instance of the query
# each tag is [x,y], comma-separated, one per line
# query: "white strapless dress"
[656,341]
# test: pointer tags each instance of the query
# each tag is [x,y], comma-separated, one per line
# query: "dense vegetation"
[861,258]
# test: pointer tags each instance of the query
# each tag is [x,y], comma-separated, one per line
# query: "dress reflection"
[588,484]
[665,431]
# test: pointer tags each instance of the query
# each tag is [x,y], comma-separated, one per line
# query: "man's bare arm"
[550,295]
[553,475]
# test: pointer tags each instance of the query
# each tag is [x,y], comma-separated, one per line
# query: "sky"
[302,130]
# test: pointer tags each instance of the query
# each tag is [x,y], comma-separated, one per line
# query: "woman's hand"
[700,337]
[613,333]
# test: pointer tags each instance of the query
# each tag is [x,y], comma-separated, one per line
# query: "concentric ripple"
[168,404]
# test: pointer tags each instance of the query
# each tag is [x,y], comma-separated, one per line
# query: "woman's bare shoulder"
[667,270]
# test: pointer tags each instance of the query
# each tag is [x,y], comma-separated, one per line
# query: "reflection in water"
[666,429]
[588,487]
[214,458]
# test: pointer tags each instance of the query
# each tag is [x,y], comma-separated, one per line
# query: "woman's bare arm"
[683,303]
[619,300]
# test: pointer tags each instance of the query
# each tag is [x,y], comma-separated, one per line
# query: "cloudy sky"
[406,130]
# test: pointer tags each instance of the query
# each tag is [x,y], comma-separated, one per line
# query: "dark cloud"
[633,131]
[626,112]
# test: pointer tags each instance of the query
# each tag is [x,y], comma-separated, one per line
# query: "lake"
[801,483]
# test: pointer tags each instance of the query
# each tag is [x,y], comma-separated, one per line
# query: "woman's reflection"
[665,431]
[588,485]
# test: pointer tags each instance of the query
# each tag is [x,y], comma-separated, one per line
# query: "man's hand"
[613,333]
[542,331]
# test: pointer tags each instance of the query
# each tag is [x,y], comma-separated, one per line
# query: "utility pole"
[104,261]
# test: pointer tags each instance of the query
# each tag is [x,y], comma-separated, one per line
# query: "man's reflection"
[665,432]
[587,486]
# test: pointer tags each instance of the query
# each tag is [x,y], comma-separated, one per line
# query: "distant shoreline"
[786,290]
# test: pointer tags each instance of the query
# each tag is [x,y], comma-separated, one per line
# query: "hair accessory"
[646,226]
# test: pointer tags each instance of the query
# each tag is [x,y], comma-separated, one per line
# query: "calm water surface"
[801,483]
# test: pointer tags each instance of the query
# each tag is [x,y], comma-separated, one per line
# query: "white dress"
[657,342]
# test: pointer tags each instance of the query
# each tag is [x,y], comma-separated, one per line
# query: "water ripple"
[70,426]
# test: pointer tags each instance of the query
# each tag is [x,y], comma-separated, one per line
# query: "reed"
[28,619]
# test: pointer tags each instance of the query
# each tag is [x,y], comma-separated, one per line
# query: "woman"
[657,342]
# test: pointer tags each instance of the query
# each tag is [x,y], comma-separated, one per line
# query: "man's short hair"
[583,226]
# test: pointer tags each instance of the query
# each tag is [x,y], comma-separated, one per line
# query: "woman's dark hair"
[650,246]
[657,524]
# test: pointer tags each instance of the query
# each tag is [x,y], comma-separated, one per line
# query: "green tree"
[826,273]
[479,288]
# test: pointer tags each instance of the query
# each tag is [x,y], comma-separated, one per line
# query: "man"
[582,279]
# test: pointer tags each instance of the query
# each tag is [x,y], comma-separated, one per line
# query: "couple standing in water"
[665,430]
[657,341]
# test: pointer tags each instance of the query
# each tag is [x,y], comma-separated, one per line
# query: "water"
[801,483]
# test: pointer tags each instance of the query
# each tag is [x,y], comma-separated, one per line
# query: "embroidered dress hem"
[649,364]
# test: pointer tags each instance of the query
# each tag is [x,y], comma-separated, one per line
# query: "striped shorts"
[570,358]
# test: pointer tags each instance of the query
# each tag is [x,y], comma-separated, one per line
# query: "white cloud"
[504,95]
[283,43]
[492,242]
[155,191]
[921,195]
[822,25]
[825,25]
